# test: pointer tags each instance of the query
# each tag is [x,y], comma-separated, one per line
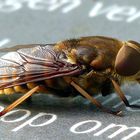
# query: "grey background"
[25,26]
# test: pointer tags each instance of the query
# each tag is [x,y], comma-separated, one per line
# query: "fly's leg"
[19,101]
[121,95]
[94,101]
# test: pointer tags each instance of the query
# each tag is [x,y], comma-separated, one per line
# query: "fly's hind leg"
[122,96]
[30,86]
[94,101]
[20,100]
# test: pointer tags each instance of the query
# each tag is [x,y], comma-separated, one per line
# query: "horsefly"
[84,66]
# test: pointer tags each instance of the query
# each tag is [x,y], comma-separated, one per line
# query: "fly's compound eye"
[128,59]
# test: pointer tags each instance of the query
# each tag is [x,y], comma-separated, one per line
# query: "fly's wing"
[32,64]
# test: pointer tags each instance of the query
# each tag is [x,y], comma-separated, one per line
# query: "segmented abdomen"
[22,88]
[46,86]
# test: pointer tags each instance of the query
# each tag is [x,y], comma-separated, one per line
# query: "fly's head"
[128,59]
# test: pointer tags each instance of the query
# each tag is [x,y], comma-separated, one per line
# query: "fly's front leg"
[115,81]
[121,95]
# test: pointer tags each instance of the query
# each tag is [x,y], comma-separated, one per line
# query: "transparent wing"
[32,64]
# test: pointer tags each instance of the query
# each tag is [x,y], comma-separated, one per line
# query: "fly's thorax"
[76,53]
[85,54]
[98,52]
[64,50]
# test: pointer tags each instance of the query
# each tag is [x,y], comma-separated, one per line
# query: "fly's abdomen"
[15,89]
[23,88]
[46,86]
